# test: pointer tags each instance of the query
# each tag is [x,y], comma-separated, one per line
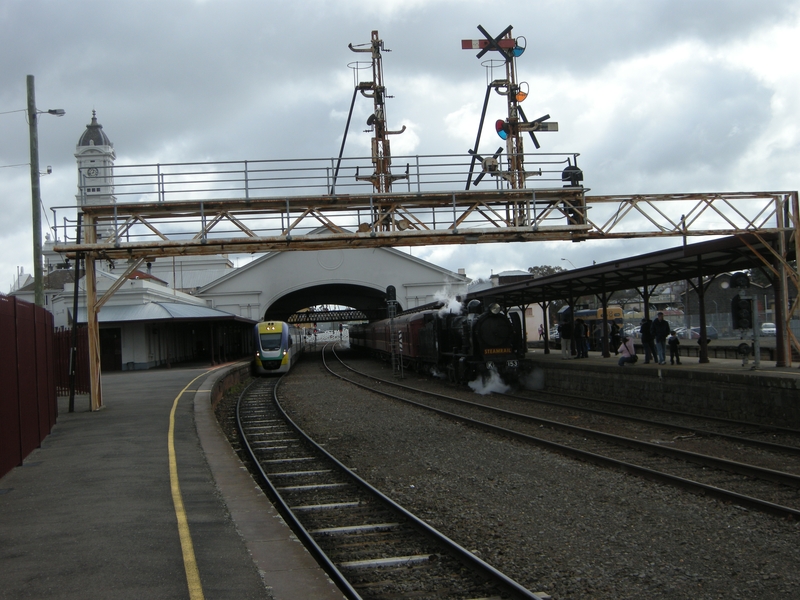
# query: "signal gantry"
[515,125]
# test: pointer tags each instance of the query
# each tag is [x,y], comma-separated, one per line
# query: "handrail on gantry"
[221,180]
[260,206]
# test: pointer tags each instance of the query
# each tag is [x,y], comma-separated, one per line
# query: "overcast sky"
[656,96]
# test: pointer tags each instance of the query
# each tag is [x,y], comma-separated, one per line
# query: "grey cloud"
[181,80]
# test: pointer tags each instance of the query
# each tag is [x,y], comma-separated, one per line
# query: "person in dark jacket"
[565,335]
[614,336]
[646,329]
[579,336]
[674,354]
[661,329]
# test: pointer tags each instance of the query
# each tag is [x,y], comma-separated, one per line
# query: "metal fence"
[28,402]
[62,345]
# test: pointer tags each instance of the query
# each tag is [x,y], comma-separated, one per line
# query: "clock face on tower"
[92,172]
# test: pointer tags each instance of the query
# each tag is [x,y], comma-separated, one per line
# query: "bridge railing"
[291,187]
[222,180]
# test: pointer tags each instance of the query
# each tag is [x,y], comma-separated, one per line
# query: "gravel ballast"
[553,524]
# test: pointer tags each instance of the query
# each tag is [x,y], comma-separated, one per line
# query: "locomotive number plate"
[512,364]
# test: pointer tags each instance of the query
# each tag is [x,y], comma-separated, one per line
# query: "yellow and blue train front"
[272,351]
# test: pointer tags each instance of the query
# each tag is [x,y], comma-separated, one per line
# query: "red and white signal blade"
[481,44]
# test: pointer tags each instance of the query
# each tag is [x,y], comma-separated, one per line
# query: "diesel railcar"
[278,346]
[461,345]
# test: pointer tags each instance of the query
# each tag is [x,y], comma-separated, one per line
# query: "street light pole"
[36,197]
[36,191]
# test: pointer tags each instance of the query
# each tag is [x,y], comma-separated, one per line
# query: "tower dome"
[94,134]
[95,156]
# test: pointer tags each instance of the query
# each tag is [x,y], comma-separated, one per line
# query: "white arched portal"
[251,290]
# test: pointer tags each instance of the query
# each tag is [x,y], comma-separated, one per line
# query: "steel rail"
[286,512]
[726,436]
[710,461]
[473,562]
[726,495]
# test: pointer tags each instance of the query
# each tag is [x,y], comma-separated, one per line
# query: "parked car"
[768,329]
[694,333]
[634,332]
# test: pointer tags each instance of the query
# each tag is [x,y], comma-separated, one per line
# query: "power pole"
[36,196]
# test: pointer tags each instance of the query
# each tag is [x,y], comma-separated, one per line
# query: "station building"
[202,307]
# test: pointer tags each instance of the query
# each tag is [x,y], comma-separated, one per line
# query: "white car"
[768,329]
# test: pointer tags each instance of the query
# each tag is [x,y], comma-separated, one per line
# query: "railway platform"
[93,512]
[722,387]
[691,363]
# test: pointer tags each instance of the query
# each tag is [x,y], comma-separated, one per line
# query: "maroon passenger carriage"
[461,345]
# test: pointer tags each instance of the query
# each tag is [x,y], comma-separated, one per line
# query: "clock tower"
[95,156]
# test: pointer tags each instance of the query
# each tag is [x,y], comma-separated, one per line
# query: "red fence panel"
[10,446]
[28,402]
[45,386]
[26,377]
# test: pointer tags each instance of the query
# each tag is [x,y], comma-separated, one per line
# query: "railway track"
[370,546]
[772,490]
[750,435]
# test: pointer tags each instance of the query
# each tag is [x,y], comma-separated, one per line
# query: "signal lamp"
[522,92]
[518,50]
[741,312]
[502,128]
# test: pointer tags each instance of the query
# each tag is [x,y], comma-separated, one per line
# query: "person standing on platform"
[674,354]
[579,335]
[565,335]
[646,330]
[661,330]
[627,350]
[614,338]
[541,331]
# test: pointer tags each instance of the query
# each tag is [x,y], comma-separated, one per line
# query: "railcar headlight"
[495,308]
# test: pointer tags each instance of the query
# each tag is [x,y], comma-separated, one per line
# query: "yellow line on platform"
[189,560]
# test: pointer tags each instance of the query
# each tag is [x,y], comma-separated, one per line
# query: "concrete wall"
[745,396]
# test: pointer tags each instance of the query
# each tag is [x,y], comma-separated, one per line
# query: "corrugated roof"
[675,264]
[159,311]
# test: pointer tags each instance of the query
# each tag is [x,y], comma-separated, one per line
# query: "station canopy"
[691,261]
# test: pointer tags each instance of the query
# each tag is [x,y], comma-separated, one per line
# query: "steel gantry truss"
[163,210]
[146,230]
[151,230]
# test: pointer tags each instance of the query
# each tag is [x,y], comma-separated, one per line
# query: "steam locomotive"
[464,345]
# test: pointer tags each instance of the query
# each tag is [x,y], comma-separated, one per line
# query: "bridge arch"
[278,284]
[369,300]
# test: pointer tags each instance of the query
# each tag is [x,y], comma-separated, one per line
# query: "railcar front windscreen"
[270,341]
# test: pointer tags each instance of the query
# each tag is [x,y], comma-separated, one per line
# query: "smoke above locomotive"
[463,342]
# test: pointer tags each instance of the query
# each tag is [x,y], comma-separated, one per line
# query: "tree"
[544,270]
[625,297]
